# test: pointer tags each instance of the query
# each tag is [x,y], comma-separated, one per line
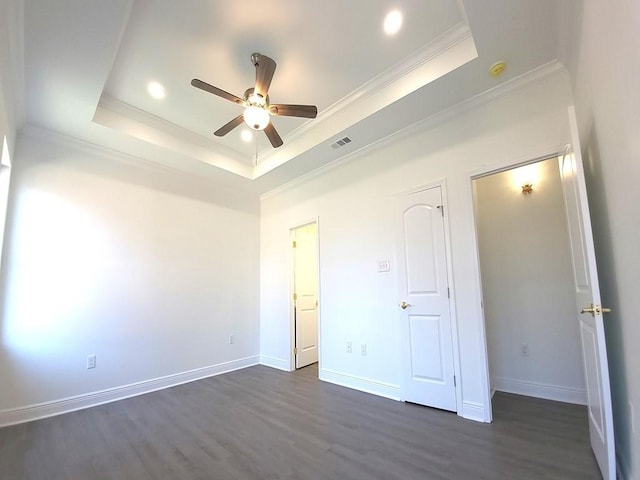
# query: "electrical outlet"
[363,349]
[524,349]
[349,347]
[232,339]
[91,361]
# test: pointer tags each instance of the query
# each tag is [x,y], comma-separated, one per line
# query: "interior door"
[588,307]
[305,296]
[428,372]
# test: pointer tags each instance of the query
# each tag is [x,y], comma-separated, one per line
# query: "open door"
[589,310]
[305,293]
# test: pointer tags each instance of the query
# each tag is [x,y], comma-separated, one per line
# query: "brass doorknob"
[404,305]
[595,310]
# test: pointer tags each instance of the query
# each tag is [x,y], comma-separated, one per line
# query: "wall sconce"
[524,178]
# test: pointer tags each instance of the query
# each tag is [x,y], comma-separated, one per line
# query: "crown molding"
[101,152]
[451,50]
[454,36]
[94,149]
[129,111]
[106,153]
[121,116]
[533,76]
[447,52]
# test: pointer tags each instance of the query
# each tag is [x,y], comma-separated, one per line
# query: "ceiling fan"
[257,109]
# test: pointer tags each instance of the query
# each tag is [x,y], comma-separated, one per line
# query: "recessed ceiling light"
[156,90]
[246,135]
[393,22]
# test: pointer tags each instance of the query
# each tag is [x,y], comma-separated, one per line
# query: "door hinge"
[294,244]
[454,381]
[295,351]
[448,293]
[441,208]
[295,297]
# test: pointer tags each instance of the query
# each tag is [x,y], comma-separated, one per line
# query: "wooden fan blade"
[216,91]
[273,136]
[226,128]
[265,68]
[304,111]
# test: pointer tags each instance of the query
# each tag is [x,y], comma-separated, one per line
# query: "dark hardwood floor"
[261,423]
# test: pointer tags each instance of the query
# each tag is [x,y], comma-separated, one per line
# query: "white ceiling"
[87,64]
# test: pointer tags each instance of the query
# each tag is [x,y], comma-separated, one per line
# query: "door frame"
[486,171]
[292,308]
[455,339]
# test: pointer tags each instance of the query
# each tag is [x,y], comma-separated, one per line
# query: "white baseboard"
[473,411]
[541,390]
[48,409]
[273,362]
[375,387]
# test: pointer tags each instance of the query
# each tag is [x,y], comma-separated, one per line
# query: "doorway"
[304,294]
[588,311]
[533,340]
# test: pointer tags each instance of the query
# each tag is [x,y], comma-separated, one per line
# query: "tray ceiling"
[87,65]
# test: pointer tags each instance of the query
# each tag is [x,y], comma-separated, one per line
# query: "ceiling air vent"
[341,143]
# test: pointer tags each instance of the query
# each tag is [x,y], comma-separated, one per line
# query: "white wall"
[354,206]
[149,269]
[527,284]
[605,73]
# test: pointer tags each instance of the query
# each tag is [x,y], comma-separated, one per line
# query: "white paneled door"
[305,296]
[428,370]
[589,310]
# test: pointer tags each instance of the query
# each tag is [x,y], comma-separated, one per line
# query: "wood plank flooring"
[261,423]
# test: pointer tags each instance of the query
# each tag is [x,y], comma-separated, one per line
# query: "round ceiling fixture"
[497,69]
[256,118]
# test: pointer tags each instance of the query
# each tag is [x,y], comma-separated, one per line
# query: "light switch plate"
[384,266]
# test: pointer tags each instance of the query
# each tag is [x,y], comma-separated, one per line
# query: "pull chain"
[256,144]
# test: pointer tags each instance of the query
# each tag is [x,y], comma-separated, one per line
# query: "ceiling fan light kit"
[255,117]
[257,109]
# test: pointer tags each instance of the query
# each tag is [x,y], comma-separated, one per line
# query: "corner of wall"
[273,362]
